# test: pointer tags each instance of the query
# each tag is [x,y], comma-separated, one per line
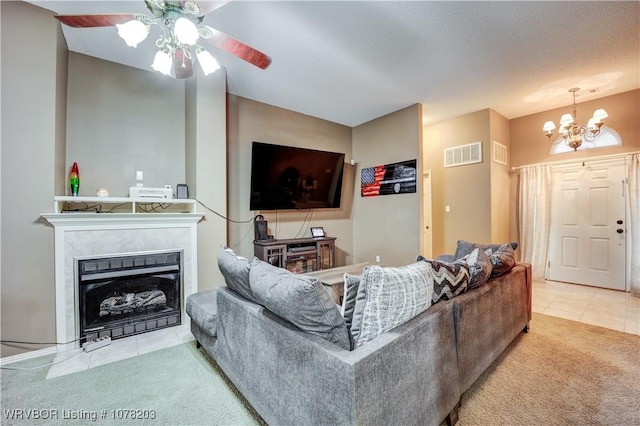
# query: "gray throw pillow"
[389,297]
[235,270]
[479,268]
[351,284]
[502,260]
[299,299]
[464,248]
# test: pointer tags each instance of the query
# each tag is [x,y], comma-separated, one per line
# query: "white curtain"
[535,217]
[633,222]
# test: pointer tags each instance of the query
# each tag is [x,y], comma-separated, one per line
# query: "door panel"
[427,233]
[585,247]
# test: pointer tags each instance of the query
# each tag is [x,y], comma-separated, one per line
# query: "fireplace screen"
[123,295]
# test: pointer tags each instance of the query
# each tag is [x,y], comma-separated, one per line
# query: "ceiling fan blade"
[88,21]
[229,44]
[182,65]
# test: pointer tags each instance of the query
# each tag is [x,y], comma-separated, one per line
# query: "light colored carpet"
[179,384]
[560,373]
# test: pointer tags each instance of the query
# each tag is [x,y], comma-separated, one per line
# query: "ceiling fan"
[182,29]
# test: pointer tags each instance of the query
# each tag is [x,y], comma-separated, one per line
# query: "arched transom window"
[607,137]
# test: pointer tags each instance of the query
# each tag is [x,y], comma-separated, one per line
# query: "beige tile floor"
[77,360]
[612,309]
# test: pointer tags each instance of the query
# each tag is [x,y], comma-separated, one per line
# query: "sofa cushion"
[388,297]
[479,268]
[502,260]
[464,248]
[449,278]
[351,284]
[299,299]
[202,308]
[235,270]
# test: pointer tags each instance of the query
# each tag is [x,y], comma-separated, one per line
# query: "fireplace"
[82,236]
[121,295]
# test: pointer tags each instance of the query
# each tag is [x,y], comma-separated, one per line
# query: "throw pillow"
[502,260]
[235,270]
[388,297]
[463,248]
[479,268]
[299,299]
[351,284]
[449,278]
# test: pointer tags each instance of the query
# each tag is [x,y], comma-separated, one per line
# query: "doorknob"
[619,231]
[619,221]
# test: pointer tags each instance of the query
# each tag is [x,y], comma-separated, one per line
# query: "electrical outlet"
[139,175]
[377,258]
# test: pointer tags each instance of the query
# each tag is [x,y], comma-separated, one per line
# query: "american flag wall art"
[388,179]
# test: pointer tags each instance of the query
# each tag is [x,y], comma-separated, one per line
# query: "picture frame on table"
[317,231]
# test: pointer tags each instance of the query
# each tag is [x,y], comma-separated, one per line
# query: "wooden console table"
[298,255]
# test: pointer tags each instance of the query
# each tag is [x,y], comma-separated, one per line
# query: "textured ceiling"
[351,62]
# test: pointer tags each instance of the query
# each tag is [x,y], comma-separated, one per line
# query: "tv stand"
[298,255]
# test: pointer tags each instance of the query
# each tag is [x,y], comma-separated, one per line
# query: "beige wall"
[120,120]
[33,87]
[529,144]
[466,189]
[206,153]
[254,121]
[500,196]
[387,226]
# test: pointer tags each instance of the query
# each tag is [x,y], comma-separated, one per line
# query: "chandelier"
[181,29]
[570,131]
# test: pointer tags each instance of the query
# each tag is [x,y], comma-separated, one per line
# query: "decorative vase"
[74,180]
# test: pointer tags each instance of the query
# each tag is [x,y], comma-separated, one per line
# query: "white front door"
[588,226]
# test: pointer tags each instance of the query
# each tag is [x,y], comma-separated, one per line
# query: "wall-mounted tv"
[286,177]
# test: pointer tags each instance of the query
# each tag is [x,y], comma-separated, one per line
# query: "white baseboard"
[28,355]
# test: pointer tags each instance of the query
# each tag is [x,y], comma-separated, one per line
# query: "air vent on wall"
[463,154]
[499,153]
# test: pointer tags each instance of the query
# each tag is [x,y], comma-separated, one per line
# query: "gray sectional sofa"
[413,374]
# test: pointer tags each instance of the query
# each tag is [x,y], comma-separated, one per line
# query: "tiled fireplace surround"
[81,235]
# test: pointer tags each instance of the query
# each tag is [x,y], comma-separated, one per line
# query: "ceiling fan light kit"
[162,62]
[133,32]
[570,132]
[207,62]
[181,24]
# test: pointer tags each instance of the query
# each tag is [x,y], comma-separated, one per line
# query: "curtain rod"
[579,160]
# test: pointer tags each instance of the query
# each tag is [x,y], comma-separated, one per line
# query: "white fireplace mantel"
[120,219]
[95,234]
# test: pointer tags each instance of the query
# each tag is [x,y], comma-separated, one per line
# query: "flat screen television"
[286,177]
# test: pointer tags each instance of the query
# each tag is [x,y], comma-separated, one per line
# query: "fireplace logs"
[132,302]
